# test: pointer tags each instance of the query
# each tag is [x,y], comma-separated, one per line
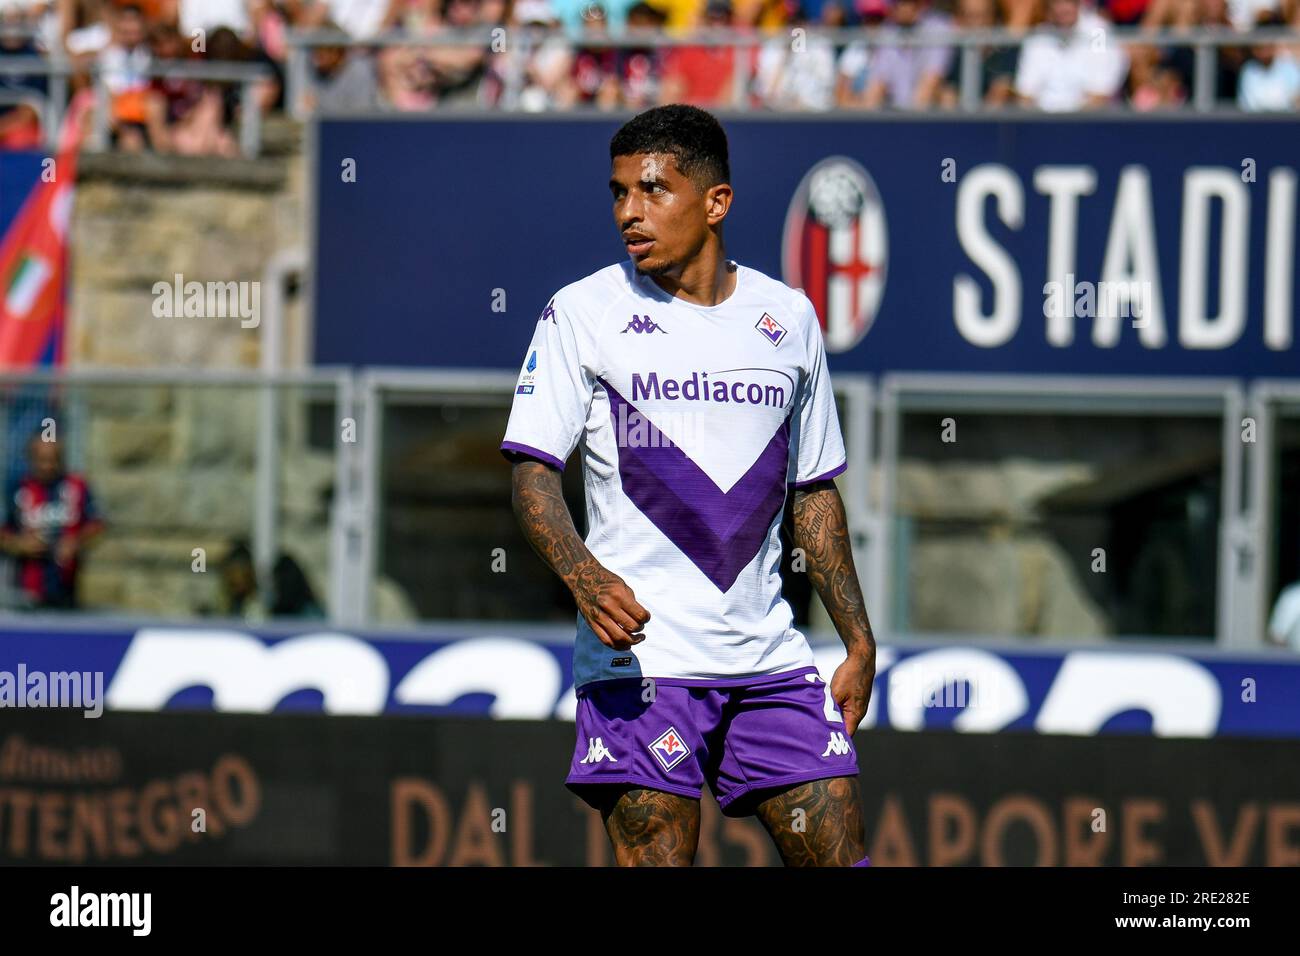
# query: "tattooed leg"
[829,831]
[652,828]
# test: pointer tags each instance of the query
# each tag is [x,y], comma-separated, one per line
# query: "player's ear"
[716,203]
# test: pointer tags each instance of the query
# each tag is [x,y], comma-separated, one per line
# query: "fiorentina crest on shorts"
[835,247]
[669,749]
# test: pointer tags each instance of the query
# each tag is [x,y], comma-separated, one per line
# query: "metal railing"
[362,400]
[1206,42]
[51,104]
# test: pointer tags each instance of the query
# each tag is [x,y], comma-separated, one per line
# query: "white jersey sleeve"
[816,426]
[554,391]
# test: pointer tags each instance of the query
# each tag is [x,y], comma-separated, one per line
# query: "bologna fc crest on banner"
[835,248]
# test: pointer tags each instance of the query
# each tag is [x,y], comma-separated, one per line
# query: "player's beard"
[654,269]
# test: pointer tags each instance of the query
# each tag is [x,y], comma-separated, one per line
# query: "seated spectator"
[1270,79]
[1070,62]
[1020,15]
[86,31]
[23,95]
[640,69]
[544,68]
[997,74]
[1244,14]
[1185,16]
[47,518]
[291,594]
[1155,79]
[457,72]
[904,77]
[224,46]
[239,585]
[706,75]
[594,75]
[122,65]
[803,79]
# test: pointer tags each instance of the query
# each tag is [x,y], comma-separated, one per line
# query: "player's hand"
[851,688]
[610,607]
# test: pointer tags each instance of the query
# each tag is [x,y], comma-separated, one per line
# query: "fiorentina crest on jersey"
[835,247]
[772,330]
[669,749]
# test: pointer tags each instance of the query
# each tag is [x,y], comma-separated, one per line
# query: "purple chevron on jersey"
[720,531]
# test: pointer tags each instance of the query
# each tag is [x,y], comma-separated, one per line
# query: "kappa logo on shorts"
[597,751]
[669,749]
[837,746]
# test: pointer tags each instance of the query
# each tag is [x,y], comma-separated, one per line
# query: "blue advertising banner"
[527,674]
[1151,247]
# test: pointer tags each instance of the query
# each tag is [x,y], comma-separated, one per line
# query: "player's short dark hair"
[694,137]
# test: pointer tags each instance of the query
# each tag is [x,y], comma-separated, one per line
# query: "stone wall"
[174,466]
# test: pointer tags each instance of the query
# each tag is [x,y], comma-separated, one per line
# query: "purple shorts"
[739,736]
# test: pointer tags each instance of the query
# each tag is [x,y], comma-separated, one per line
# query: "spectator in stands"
[801,78]
[904,77]
[997,76]
[85,29]
[706,75]
[545,69]
[239,585]
[1155,80]
[291,594]
[640,69]
[49,517]
[1071,62]
[1020,15]
[123,64]
[1184,16]
[854,60]
[224,46]
[21,96]
[594,76]
[1270,79]
[1244,14]
[458,72]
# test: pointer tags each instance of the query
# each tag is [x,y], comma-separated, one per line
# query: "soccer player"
[699,391]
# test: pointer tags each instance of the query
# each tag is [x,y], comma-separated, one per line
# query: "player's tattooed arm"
[821,530]
[602,596]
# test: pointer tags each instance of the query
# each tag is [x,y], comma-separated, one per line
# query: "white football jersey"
[693,421]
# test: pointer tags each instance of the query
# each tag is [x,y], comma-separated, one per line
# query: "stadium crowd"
[1065,62]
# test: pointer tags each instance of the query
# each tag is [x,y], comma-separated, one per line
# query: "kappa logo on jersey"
[669,749]
[835,247]
[548,313]
[597,751]
[647,324]
[772,330]
[838,745]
